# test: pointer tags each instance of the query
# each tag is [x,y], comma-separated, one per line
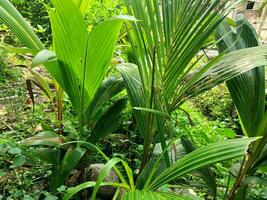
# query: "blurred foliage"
[4,73]
[217,104]
[190,121]
[101,10]
[35,12]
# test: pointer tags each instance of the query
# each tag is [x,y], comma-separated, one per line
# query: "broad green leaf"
[14,150]
[46,138]
[83,57]
[248,89]
[70,39]
[108,122]
[18,161]
[101,43]
[222,68]
[50,156]
[136,94]
[202,157]
[43,57]
[39,81]
[70,160]
[206,174]
[146,194]
[169,195]
[109,88]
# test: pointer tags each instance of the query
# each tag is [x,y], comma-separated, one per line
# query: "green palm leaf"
[248,89]
[136,94]
[82,57]
[201,158]
[142,194]
[206,174]
[222,68]
[108,122]
[110,88]
[83,5]
[19,26]
[196,160]
[165,43]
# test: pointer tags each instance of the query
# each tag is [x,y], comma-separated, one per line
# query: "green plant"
[166,74]
[12,157]
[248,93]
[79,64]
[54,94]
[158,177]
[3,66]
[99,11]
[198,127]
[165,43]
[85,69]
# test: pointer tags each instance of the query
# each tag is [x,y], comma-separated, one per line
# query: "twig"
[188,116]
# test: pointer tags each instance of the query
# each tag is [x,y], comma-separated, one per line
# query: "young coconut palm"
[79,64]
[165,43]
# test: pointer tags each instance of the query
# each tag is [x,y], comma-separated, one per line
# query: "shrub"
[217,104]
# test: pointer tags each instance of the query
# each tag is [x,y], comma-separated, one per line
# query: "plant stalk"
[149,133]
[252,156]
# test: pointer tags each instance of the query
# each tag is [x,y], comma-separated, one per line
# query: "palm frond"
[165,43]
[202,157]
[82,57]
[248,89]
[19,26]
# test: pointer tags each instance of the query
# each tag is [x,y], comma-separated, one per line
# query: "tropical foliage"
[164,71]
[248,93]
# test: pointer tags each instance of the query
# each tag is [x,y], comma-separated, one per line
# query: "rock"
[38,128]
[73,180]
[176,152]
[3,111]
[105,191]
[186,192]
[116,139]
